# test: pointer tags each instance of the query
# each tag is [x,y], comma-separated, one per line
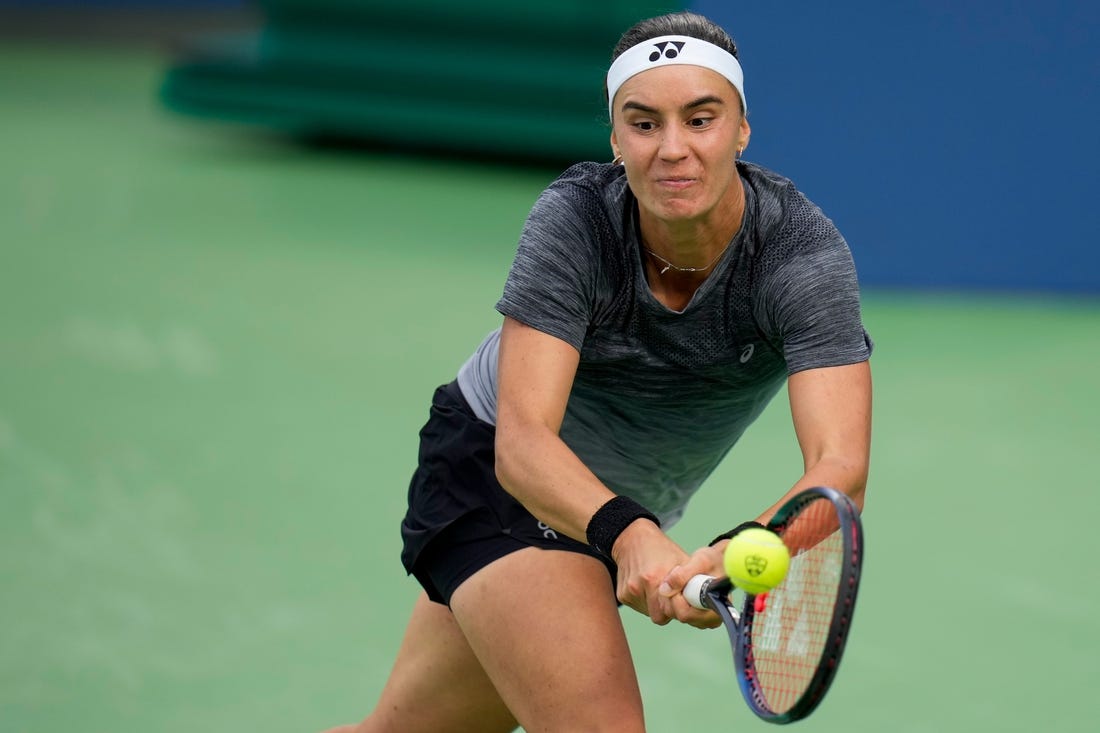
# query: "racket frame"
[738,623]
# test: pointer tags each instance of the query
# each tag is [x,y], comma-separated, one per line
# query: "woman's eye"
[644,126]
[699,121]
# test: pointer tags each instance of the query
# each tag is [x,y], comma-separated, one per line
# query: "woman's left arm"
[831,408]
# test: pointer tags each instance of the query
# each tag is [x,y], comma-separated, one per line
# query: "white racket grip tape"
[695,591]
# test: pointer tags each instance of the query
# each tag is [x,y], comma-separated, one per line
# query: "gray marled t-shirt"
[661,396]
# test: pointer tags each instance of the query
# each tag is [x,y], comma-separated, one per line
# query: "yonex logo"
[665,48]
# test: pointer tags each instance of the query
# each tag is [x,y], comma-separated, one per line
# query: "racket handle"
[695,592]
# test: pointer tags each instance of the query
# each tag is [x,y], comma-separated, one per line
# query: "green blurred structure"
[489,77]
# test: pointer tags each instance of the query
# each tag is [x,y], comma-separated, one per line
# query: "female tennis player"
[654,307]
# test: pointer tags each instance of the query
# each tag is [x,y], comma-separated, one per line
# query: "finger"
[685,613]
[661,609]
[706,620]
[703,619]
[629,595]
[673,583]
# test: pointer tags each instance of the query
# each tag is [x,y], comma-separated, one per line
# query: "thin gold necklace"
[669,266]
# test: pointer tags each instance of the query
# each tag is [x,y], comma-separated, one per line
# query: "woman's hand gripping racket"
[787,643]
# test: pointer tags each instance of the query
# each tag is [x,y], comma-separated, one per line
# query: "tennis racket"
[787,643]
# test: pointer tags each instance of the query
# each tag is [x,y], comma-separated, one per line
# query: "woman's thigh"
[437,685]
[545,626]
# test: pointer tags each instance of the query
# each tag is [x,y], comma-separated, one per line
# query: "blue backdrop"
[954,144]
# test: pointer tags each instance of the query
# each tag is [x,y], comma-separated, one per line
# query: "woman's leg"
[538,636]
[546,628]
[437,685]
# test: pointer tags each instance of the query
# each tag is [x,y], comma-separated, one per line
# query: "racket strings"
[791,626]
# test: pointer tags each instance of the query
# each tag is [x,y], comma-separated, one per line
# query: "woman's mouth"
[676,184]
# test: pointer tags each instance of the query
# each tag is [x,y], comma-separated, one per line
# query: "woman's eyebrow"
[701,101]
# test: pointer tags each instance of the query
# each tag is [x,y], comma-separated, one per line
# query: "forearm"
[846,475]
[831,409]
[543,474]
[536,467]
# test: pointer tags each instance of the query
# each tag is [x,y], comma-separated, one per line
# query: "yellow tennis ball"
[756,560]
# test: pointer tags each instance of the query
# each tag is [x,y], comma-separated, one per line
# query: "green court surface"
[215,353]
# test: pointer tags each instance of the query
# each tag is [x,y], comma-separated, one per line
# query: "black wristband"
[611,519]
[739,528]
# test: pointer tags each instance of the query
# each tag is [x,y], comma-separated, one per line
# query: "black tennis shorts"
[460,518]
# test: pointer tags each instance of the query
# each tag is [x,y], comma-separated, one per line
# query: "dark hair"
[683,23]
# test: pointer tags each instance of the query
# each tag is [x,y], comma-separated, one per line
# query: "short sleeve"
[813,300]
[551,282]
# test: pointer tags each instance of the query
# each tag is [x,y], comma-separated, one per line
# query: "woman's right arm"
[532,462]
[535,466]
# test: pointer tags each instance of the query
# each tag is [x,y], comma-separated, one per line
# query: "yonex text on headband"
[670,50]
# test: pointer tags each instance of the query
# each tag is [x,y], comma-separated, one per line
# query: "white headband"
[670,50]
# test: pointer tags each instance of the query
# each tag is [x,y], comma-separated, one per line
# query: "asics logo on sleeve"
[747,352]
